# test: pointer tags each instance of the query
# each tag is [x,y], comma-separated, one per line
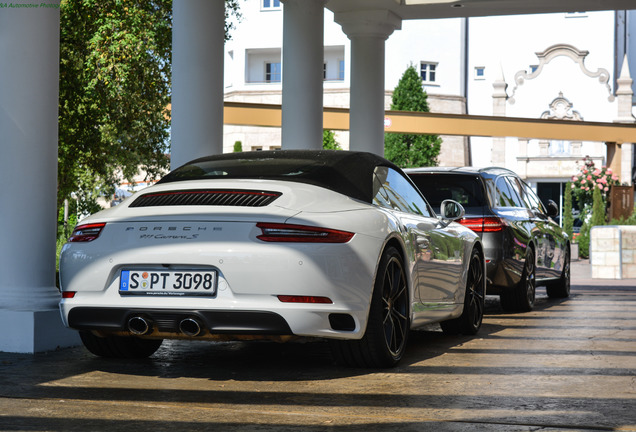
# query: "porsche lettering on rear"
[170,228]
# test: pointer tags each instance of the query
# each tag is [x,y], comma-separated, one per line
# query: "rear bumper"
[167,321]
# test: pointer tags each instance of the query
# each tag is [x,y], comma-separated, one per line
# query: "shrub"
[590,179]
[629,221]
[329,140]
[598,218]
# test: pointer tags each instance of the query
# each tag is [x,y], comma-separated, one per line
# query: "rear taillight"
[487,224]
[304,299]
[276,232]
[86,232]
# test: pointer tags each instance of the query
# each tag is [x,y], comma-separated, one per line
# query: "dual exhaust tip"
[140,326]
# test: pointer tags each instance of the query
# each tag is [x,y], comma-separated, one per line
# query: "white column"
[303,59]
[197,79]
[499,98]
[367,30]
[29,71]
[624,95]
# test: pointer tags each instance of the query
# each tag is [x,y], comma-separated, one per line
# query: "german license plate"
[168,283]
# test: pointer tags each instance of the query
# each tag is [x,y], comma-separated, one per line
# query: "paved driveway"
[568,365]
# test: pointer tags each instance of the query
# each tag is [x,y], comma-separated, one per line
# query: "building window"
[271,4]
[480,72]
[428,72]
[341,70]
[272,72]
[576,14]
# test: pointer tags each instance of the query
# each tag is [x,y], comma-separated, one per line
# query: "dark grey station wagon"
[524,246]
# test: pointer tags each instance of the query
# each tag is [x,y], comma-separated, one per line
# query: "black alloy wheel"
[395,307]
[521,297]
[469,322]
[388,324]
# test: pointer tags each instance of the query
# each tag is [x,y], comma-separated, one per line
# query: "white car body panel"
[251,273]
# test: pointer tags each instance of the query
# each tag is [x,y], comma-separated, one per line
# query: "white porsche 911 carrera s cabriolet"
[281,244]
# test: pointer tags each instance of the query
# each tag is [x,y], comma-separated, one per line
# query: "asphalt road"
[570,365]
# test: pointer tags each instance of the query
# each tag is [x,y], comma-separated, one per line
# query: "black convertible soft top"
[346,172]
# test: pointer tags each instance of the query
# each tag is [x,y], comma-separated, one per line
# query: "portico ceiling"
[425,9]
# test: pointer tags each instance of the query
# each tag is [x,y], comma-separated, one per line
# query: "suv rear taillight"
[277,232]
[86,232]
[486,224]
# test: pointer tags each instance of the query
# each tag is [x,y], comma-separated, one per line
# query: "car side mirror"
[553,209]
[451,211]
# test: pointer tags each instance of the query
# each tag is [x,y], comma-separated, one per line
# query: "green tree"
[598,208]
[115,86]
[238,146]
[114,93]
[598,218]
[329,140]
[408,150]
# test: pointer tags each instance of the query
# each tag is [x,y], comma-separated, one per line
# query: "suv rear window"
[465,189]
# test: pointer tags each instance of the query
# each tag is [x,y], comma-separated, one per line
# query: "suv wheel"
[471,318]
[521,297]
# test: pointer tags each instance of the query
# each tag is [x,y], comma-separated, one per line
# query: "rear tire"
[561,288]
[469,322]
[522,296]
[388,324]
[119,346]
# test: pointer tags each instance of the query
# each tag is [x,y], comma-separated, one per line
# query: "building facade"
[531,66]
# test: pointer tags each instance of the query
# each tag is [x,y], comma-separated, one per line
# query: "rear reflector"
[274,232]
[304,299]
[86,232]
[487,224]
[68,294]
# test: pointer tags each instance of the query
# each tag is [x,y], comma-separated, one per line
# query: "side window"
[517,190]
[273,72]
[270,4]
[505,195]
[380,195]
[491,192]
[533,199]
[394,191]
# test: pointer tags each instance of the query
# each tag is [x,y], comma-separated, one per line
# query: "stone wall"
[613,252]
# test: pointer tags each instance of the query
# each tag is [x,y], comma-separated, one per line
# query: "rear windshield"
[465,189]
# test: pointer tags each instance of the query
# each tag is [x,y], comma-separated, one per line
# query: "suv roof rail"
[496,168]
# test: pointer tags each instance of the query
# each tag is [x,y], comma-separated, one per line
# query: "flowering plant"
[589,178]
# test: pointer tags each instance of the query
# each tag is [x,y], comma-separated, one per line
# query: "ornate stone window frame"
[562,50]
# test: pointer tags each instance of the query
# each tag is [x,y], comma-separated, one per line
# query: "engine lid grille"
[237,198]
